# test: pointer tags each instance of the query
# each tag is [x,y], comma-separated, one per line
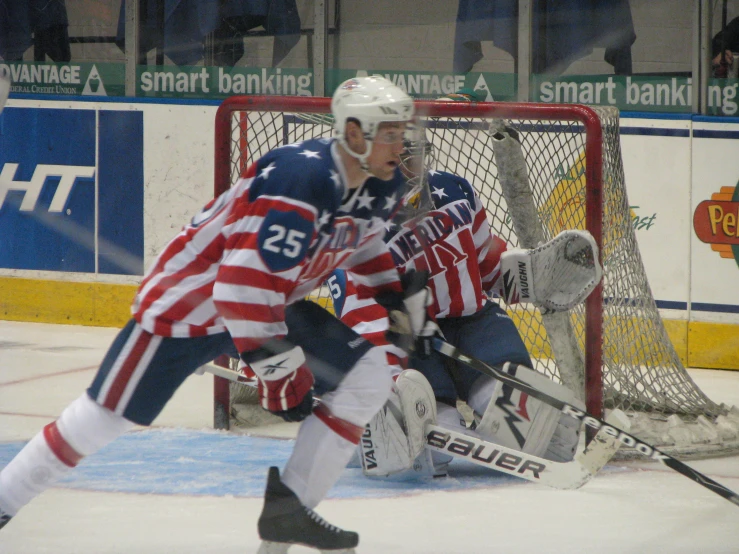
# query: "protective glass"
[389,136]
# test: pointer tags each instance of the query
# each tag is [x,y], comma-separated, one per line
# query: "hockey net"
[539,169]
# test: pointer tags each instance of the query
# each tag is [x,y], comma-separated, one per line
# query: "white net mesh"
[640,371]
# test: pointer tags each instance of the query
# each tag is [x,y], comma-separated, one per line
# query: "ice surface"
[184,488]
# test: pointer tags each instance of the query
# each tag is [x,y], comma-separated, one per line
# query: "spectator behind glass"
[42,24]
[728,39]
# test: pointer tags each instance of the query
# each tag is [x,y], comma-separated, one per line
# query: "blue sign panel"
[71,190]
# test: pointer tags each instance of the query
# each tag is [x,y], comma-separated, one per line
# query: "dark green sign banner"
[642,93]
[722,97]
[628,93]
[671,94]
[420,84]
[74,79]
[220,82]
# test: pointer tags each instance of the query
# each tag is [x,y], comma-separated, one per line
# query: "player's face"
[386,149]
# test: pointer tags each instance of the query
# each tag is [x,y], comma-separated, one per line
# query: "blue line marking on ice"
[190,462]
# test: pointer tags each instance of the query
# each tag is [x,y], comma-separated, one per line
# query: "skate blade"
[268,547]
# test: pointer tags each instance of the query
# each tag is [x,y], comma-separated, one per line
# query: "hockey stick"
[629,440]
[559,475]
[226,373]
[4,89]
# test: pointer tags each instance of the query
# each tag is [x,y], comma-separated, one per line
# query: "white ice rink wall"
[682,176]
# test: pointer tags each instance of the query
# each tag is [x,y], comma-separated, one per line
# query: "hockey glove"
[412,324]
[556,276]
[284,382]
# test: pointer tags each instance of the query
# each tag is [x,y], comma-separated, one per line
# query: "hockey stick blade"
[629,440]
[227,373]
[235,376]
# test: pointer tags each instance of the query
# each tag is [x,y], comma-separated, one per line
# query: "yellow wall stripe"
[97,304]
[708,345]
[713,345]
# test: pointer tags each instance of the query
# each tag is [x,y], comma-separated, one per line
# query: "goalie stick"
[629,440]
[559,475]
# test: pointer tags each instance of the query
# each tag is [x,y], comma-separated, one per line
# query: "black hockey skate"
[285,521]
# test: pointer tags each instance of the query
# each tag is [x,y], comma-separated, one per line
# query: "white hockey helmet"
[371,101]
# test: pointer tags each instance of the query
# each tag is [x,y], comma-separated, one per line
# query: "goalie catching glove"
[556,275]
[284,382]
[412,324]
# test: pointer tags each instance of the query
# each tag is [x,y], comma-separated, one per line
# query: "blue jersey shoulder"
[447,188]
[376,198]
[304,171]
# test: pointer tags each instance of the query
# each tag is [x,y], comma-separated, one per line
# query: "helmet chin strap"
[361,157]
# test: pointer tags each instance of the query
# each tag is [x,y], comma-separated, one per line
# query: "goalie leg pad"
[419,407]
[564,441]
[384,448]
[516,420]
[395,437]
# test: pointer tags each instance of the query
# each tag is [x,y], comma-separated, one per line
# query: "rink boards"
[142,170]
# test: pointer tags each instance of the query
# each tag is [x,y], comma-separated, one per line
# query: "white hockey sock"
[83,428]
[317,461]
[31,472]
[327,439]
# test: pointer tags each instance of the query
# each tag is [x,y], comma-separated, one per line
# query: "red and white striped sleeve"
[367,318]
[373,269]
[489,247]
[250,295]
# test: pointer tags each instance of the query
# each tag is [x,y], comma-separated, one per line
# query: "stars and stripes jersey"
[267,242]
[454,243]
[364,316]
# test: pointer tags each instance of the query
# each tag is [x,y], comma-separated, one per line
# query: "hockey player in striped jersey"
[222,287]
[443,230]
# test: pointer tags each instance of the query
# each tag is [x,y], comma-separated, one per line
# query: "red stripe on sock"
[124,373]
[341,427]
[60,447]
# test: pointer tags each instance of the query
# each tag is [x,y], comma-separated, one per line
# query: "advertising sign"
[716,222]
[71,190]
[74,79]
[636,93]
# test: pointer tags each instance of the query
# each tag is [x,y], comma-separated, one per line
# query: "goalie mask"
[415,161]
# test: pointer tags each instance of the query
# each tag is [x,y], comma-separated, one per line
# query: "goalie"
[443,231]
